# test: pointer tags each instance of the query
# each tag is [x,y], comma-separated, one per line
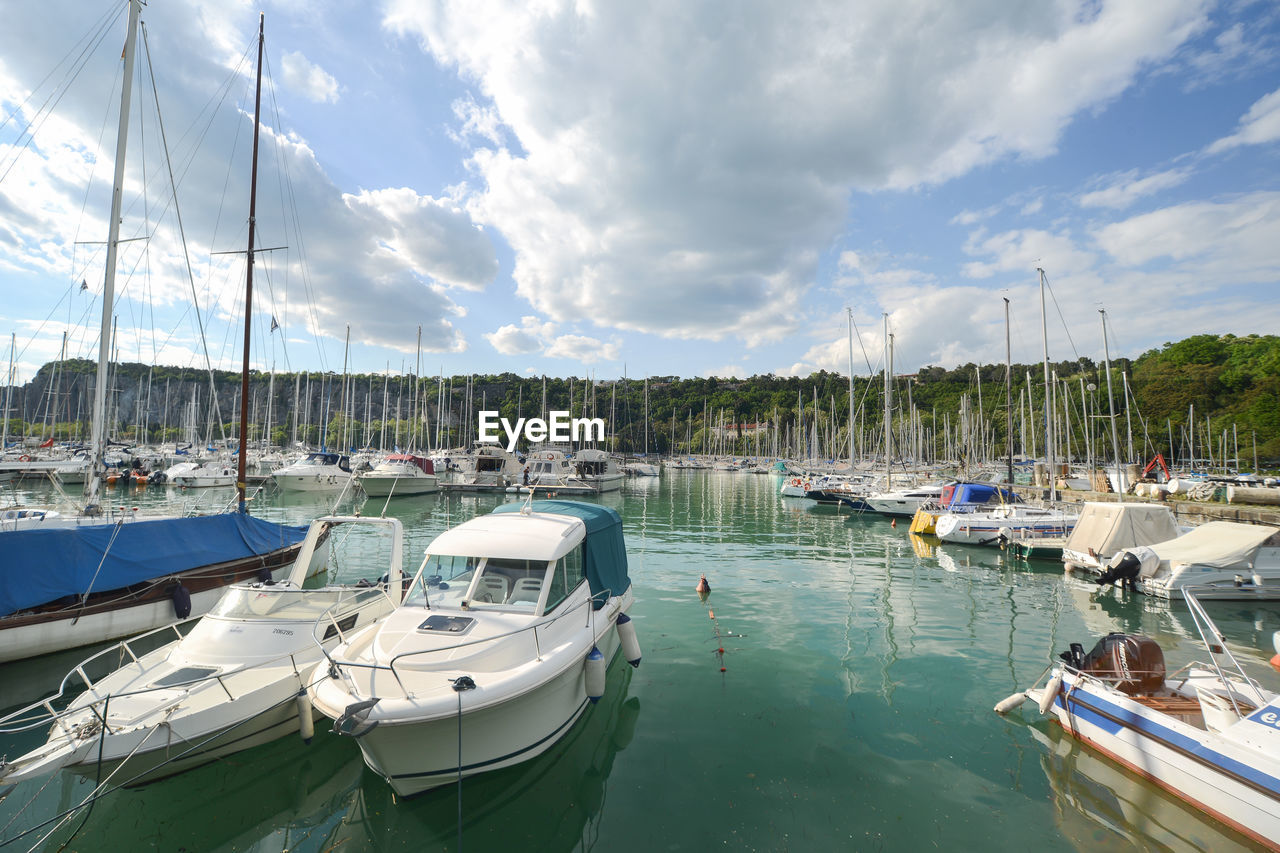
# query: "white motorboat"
[1222,559]
[1007,522]
[549,469]
[904,502]
[400,474]
[1208,733]
[1105,529]
[636,468]
[504,635]
[597,470]
[206,476]
[231,680]
[315,472]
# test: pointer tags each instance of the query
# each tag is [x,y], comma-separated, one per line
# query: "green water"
[854,710]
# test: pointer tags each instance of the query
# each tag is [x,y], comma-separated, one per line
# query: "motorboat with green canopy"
[506,630]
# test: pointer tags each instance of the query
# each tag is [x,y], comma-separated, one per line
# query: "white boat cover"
[1219,544]
[1108,528]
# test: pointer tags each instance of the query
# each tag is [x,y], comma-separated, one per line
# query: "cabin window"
[443,580]
[569,571]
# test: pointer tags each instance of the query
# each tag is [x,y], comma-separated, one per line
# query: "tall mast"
[248,280]
[8,391]
[888,389]
[849,311]
[1121,484]
[1048,409]
[1008,390]
[97,440]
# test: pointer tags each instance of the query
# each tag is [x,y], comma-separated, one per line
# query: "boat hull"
[381,487]
[311,482]
[26,635]
[1179,757]
[417,756]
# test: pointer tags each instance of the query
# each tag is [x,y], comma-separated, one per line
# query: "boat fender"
[181,597]
[306,720]
[1008,703]
[595,672]
[627,638]
[1050,693]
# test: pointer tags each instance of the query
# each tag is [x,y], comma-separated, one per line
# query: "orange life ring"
[24,458]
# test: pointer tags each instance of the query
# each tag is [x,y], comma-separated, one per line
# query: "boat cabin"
[341,461]
[421,463]
[522,559]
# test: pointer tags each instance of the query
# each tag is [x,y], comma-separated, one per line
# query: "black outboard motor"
[1132,663]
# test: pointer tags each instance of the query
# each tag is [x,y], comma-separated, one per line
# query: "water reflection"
[553,802]
[1097,805]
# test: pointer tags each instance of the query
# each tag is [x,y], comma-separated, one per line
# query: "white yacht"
[904,502]
[597,470]
[400,474]
[206,476]
[1007,521]
[506,631]
[315,472]
[225,682]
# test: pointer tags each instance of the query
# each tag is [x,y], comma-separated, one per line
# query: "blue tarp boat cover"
[963,495]
[44,565]
[604,551]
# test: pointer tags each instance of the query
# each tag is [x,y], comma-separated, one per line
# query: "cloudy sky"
[658,188]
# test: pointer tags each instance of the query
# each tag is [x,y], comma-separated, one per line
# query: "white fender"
[627,637]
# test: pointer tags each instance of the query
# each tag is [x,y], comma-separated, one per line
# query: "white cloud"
[379,260]
[1260,125]
[582,348]
[434,237]
[1022,251]
[727,371]
[1126,188]
[308,79]
[530,336]
[1032,207]
[687,155]
[1229,241]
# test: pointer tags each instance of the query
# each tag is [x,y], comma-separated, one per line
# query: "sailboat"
[92,577]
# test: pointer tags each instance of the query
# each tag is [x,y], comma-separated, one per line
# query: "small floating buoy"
[1050,693]
[893,523]
[306,722]
[595,672]
[1275,661]
[1008,703]
[627,638]
[703,588]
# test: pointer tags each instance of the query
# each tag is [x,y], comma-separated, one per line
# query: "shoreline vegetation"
[1205,396]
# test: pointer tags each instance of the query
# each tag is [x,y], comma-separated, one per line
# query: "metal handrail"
[337,665]
[1205,626]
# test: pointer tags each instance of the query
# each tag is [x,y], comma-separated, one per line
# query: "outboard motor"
[1132,663]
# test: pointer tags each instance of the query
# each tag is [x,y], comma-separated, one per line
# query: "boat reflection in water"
[1099,806]
[552,802]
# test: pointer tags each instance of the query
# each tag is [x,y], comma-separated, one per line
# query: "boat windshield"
[483,583]
[303,605]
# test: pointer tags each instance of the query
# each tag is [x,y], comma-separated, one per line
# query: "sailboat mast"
[1008,390]
[1048,409]
[248,279]
[888,389]
[1121,483]
[849,311]
[97,439]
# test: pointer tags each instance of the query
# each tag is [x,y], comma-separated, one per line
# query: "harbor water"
[833,692]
